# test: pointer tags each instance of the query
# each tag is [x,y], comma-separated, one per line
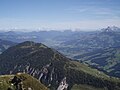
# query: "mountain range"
[99,49]
[53,69]
[90,41]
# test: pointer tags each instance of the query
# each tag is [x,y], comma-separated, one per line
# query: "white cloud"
[94,10]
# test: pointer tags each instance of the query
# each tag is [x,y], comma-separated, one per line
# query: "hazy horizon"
[59,14]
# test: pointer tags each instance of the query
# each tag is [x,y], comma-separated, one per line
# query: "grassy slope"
[85,87]
[106,59]
[29,81]
[93,72]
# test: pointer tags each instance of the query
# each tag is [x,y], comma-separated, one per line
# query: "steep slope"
[52,68]
[20,82]
[5,45]
[107,60]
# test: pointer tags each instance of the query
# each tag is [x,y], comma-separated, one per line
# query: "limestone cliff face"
[63,85]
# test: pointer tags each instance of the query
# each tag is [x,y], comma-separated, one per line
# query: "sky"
[59,14]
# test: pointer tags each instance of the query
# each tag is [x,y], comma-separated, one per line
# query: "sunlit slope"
[27,82]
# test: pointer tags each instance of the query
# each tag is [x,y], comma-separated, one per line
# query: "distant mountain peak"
[111,29]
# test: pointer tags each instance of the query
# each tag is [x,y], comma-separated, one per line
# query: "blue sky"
[59,14]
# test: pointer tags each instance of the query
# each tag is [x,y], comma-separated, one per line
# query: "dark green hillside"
[27,82]
[50,67]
